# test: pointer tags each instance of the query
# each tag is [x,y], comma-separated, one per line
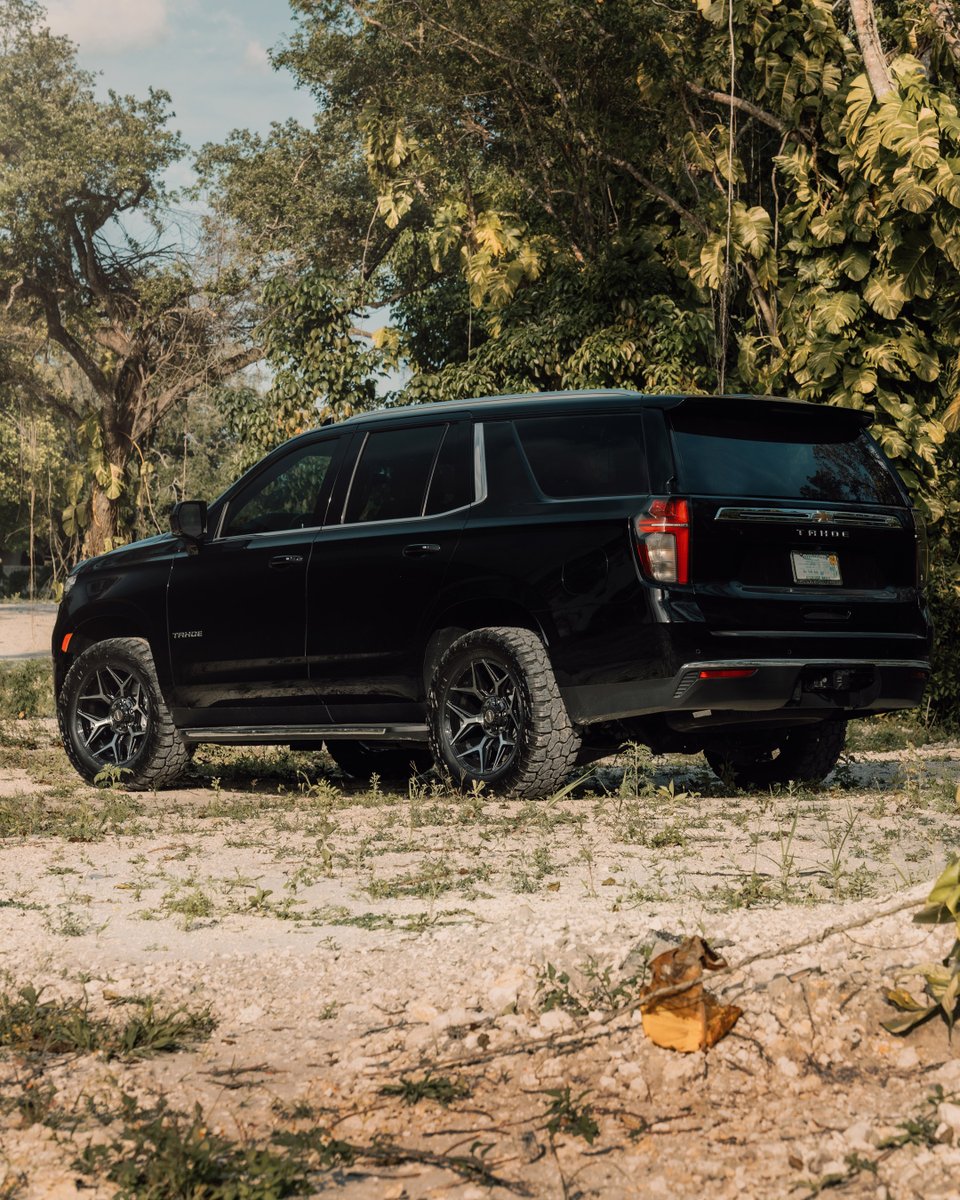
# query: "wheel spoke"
[483,717]
[505,749]
[112,716]
[469,724]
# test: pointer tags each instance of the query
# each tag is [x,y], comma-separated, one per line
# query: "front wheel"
[496,715]
[113,718]
[805,754]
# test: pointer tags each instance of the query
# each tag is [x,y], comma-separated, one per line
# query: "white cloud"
[109,26]
[256,58]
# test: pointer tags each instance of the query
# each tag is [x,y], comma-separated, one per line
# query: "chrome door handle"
[420,549]
[285,560]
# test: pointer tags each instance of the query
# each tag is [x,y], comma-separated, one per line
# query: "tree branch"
[147,418]
[741,105]
[874,60]
[650,187]
[68,342]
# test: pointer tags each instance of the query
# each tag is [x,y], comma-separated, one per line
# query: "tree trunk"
[874,60]
[101,533]
[104,532]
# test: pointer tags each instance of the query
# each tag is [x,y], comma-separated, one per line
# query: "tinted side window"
[786,457]
[390,481]
[452,485]
[286,496]
[599,455]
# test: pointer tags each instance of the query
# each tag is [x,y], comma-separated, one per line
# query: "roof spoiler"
[768,406]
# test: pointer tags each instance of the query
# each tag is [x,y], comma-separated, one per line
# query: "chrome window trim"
[479,487]
[353,476]
[477,429]
[479,464]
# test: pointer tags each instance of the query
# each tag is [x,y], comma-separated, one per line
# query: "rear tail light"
[923,548]
[663,540]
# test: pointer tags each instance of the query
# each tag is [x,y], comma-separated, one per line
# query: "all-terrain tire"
[112,715]
[393,761]
[806,754]
[496,715]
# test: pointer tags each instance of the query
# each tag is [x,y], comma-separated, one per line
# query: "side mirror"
[188,519]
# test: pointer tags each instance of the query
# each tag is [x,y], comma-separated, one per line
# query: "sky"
[210,55]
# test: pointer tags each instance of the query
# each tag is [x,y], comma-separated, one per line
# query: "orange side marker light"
[65,644]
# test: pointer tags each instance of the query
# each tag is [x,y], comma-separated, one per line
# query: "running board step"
[254,735]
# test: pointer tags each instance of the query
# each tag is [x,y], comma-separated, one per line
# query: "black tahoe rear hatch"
[797,521]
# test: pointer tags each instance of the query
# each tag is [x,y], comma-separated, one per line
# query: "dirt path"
[347,941]
[26,629]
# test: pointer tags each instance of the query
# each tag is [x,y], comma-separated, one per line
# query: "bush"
[943,691]
[26,689]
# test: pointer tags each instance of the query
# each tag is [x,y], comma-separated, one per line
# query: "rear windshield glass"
[786,457]
[598,455]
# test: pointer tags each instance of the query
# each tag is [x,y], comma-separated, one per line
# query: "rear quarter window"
[591,455]
[780,457]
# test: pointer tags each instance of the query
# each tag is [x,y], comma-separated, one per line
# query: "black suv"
[511,585]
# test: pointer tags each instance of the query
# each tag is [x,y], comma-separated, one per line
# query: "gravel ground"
[346,941]
[26,629]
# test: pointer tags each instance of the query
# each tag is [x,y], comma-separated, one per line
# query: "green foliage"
[567,1113]
[161,1153]
[321,369]
[31,1025]
[439,1088]
[26,689]
[510,259]
[127,327]
[941,980]
[614,324]
[600,991]
[943,592]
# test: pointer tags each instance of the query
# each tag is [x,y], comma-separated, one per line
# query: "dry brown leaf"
[693,1019]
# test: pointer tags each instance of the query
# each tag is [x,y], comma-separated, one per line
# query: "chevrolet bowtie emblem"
[822,516]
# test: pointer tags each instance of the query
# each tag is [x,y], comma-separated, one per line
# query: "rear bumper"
[797,687]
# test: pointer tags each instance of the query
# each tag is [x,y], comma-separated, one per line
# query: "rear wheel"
[113,718]
[806,754]
[389,760]
[496,714]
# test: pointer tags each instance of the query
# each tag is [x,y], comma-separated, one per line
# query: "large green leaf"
[753,227]
[926,152]
[884,295]
[946,183]
[943,903]
[912,264]
[855,262]
[828,228]
[859,103]
[837,311]
[910,192]
[896,122]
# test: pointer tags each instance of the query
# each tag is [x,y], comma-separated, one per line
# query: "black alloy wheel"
[496,714]
[484,715]
[113,717]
